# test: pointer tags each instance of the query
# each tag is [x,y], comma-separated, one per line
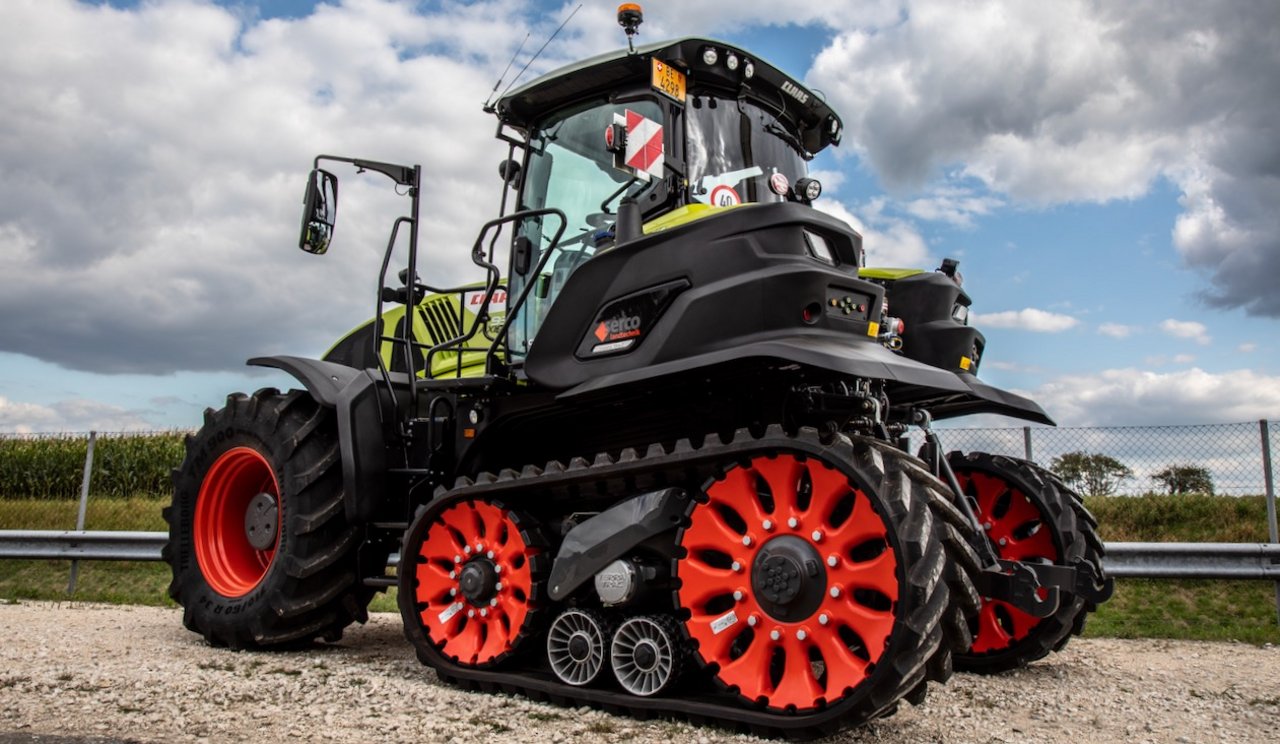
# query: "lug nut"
[767,524]
[493,602]
[835,592]
[1003,541]
[466,549]
[484,612]
[479,547]
[793,523]
[801,635]
[752,620]
[817,536]
[823,619]
[497,587]
[471,613]
[453,574]
[833,561]
[986,525]
[497,568]
[746,540]
[489,555]
[736,567]
[453,592]
[738,595]
[775,635]
[457,559]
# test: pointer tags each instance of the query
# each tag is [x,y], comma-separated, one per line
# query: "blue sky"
[1107,176]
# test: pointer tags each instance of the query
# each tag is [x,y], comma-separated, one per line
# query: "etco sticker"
[724,196]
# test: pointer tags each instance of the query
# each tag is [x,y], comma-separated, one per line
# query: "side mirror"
[510,172]
[319,212]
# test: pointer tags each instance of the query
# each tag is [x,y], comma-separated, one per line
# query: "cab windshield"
[570,169]
[733,147]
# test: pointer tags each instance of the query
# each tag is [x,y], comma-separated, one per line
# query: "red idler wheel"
[1018,531]
[238,493]
[475,580]
[790,582]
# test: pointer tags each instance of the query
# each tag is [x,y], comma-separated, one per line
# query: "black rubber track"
[313,588]
[1075,535]
[917,651]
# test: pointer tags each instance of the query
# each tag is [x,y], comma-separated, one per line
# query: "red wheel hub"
[474,582]
[229,562]
[790,582]
[1018,532]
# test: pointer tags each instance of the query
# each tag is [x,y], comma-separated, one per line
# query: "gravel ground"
[93,673]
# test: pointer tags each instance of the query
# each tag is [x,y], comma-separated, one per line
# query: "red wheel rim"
[474,627]
[832,643]
[230,565]
[1018,532]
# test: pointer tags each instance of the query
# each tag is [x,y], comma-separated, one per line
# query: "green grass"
[1141,608]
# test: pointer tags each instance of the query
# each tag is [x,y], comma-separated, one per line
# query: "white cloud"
[74,415]
[889,241]
[953,205]
[1082,101]
[1117,330]
[1186,329]
[1247,347]
[1028,319]
[1184,358]
[1133,397]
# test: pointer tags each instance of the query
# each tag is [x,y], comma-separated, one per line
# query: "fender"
[356,397]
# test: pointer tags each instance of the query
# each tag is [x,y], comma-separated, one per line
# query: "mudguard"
[356,396]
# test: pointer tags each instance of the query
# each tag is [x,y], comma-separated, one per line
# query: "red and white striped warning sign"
[644,145]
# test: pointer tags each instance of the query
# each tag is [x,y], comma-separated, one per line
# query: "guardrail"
[1129,560]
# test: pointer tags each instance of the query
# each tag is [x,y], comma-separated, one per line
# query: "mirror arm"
[401,174]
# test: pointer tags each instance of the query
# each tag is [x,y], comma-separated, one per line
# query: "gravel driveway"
[110,673]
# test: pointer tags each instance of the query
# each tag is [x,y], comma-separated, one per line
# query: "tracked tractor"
[656,461]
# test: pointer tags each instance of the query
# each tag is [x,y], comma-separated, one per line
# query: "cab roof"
[818,125]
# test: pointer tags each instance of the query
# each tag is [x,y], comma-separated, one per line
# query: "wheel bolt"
[835,591]
[746,540]
[752,620]
[479,547]
[493,602]
[497,587]
[833,561]
[775,635]
[736,567]
[823,619]
[466,549]
[497,568]
[1004,541]
[484,612]
[489,555]
[738,595]
[801,635]
[453,592]
[986,525]
[767,524]
[471,613]
[793,523]
[453,574]
[457,559]
[817,536]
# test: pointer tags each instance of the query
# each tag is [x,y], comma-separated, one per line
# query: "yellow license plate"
[668,80]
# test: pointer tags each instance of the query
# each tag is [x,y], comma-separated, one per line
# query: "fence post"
[84,504]
[1269,482]
[1026,443]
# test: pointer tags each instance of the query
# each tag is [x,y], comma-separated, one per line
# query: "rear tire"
[238,587]
[1005,638]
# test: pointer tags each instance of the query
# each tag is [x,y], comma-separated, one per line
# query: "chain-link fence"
[42,476]
[1223,459]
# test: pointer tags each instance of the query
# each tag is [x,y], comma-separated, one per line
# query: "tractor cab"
[671,132]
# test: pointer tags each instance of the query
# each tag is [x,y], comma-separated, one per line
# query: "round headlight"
[748,70]
[709,56]
[731,61]
[809,189]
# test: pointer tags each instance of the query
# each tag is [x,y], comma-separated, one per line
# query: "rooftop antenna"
[487,107]
[630,16]
[544,46]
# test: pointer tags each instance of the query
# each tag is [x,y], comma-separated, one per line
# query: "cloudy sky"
[1107,173]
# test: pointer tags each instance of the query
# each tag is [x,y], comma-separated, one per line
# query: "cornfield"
[124,465]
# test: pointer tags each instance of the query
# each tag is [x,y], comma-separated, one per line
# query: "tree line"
[1097,474]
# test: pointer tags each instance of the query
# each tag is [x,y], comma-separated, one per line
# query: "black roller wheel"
[260,549]
[1027,514]
[811,582]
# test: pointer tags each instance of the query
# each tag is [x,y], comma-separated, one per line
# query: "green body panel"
[887,274]
[440,317]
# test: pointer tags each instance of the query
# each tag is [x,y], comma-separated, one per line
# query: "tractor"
[657,461]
